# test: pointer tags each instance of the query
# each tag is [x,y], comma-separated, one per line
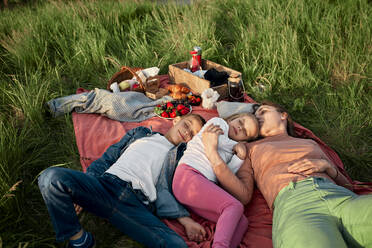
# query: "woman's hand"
[210,142]
[309,166]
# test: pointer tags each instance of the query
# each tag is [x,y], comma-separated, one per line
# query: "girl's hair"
[199,117]
[281,109]
[234,116]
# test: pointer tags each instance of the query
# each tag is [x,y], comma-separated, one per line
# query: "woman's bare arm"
[240,185]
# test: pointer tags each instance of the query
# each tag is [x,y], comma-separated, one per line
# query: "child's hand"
[240,150]
[78,209]
[194,231]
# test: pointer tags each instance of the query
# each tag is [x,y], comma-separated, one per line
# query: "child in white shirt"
[194,183]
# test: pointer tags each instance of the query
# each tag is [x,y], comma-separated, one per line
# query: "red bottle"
[195,63]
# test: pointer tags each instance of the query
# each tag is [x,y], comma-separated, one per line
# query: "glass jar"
[236,89]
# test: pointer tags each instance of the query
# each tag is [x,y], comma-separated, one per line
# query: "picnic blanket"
[95,133]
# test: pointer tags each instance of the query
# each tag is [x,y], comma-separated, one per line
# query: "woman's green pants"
[315,212]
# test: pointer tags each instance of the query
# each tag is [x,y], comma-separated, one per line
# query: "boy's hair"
[199,117]
[281,109]
[234,116]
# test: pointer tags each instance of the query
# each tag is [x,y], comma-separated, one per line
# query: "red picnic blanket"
[95,133]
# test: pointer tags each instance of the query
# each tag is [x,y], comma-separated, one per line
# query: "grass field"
[312,56]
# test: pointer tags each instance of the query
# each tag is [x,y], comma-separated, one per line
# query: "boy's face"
[183,129]
[243,128]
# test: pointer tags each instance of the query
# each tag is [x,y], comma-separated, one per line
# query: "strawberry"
[172,114]
[180,106]
[170,105]
[184,111]
[165,115]
[198,99]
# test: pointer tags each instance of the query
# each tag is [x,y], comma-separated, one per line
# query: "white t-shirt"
[195,157]
[141,163]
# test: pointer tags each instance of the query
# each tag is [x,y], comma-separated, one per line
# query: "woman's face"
[270,120]
[243,128]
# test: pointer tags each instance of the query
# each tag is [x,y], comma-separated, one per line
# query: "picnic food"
[178,88]
[178,91]
[124,85]
[170,110]
[194,100]
[178,95]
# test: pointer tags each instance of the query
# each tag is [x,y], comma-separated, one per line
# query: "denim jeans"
[317,213]
[106,196]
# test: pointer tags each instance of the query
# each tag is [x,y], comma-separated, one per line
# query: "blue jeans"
[106,196]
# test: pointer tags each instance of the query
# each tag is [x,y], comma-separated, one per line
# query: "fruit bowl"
[170,110]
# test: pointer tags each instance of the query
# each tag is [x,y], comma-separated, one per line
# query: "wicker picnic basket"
[126,73]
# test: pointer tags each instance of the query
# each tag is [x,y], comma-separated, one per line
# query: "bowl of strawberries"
[172,109]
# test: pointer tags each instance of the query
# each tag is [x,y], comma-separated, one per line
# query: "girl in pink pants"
[195,183]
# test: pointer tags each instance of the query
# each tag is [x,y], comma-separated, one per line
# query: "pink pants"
[210,201]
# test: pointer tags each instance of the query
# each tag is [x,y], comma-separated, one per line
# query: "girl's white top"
[141,163]
[195,157]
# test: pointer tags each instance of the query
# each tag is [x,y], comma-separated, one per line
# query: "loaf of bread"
[178,91]
[178,95]
[175,88]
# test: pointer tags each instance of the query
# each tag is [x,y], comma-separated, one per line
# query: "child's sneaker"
[85,241]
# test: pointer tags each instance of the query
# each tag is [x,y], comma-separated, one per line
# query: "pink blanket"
[95,133]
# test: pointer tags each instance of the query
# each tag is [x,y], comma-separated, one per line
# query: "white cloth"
[198,73]
[148,72]
[210,98]
[141,163]
[195,157]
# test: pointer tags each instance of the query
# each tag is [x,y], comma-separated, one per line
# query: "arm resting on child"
[239,185]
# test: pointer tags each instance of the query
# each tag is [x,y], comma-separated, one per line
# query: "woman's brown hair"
[281,109]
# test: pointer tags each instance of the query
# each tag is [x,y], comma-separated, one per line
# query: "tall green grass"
[314,57]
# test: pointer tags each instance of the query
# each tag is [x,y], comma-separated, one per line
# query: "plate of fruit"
[170,110]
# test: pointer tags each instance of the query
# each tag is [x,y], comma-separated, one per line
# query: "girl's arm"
[239,185]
